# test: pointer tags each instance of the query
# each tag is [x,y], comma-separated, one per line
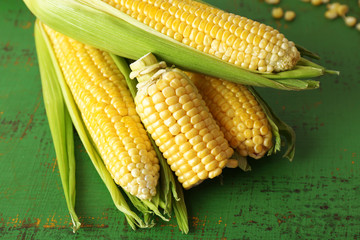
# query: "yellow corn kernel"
[108,111]
[272,1]
[358,26]
[342,10]
[316,2]
[350,21]
[192,129]
[212,31]
[331,14]
[289,16]
[238,114]
[277,12]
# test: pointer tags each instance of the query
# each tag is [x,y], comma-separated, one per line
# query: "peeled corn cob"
[177,118]
[238,40]
[108,111]
[238,114]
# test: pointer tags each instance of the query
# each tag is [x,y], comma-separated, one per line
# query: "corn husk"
[60,126]
[98,24]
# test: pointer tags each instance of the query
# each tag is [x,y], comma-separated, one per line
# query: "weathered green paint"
[314,197]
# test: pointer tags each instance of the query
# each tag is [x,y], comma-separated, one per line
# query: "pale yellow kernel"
[350,21]
[223,163]
[192,112]
[187,32]
[175,107]
[195,140]
[168,76]
[232,163]
[203,174]
[168,92]
[208,159]
[272,1]
[258,148]
[208,137]
[175,129]
[333,6]
[277,13]
[179,114]
[249,143]
[200,146]
[289,16]
[342,10]
[172,100]
[194,180]
[331,14]
[188,106]
[189,155]
[358,27]
[159,106]
[248,133]
[180,139]
[185,147]
[152,89]
[211,166]
[267,142]
[193,161]
[158,98]
[215,173]
[176,84]
[203,153]
[186,128]
[258,140]
[165,114]
[264,130]
[316,2]
[192,133]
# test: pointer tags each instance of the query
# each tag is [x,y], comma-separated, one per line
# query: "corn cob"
[108,111]
[177,118]
[237,40]
[238,114]
[244,44]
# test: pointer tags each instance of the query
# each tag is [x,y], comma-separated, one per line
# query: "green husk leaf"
[180,210]
[278,128]
[305,62]
[298,72]
[304,52]
[60,126]
[98,24]
[132,218]
[171,194]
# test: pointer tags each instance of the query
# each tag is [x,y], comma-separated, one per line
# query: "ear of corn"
[171,194]
[106,105]
[101,25]
[177,118]
[245,119]
[60,126]
[238,114]
[278,127]
[133,219]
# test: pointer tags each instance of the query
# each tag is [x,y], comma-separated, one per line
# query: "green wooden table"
[314,197]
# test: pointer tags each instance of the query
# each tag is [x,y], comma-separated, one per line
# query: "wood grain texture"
[314,197]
